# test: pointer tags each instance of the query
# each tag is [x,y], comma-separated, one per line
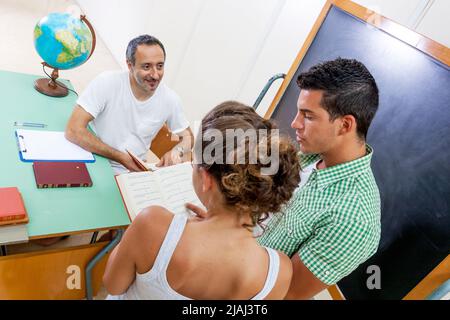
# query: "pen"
[30,124]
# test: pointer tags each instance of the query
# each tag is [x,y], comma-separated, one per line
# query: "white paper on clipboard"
[36,145]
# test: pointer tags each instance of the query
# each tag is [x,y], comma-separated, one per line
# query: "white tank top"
[153,285]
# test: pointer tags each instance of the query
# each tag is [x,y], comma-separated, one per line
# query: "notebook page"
[176,186]
[139,190]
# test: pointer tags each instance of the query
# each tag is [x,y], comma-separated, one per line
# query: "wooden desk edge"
[77,232]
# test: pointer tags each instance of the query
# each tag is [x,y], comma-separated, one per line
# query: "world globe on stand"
[64,42]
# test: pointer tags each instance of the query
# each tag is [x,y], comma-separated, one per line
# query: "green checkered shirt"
[333,221]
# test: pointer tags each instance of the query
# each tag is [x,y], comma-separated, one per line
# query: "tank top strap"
[170,242]
[272,274]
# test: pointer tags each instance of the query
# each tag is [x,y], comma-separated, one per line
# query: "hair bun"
[245,183]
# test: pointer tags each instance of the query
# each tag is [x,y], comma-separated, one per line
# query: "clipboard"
[38,145]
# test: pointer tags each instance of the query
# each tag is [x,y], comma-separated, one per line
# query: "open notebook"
[169,187]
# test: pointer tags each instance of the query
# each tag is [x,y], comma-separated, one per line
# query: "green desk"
[58,211]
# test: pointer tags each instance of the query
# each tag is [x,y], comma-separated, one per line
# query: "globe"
[64,42]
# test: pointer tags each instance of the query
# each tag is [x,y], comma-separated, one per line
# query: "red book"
[61,174]
[12,208]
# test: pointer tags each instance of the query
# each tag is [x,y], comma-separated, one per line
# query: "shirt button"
[327,273]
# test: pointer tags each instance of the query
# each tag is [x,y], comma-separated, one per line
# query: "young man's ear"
[348,124]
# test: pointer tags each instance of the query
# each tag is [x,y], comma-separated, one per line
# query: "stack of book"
[13,217]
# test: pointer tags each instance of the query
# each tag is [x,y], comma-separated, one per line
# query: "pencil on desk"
[29,124]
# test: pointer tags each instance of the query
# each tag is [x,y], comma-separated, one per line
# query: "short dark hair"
[142,39]
[349,89]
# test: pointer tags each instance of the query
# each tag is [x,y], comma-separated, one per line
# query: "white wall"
[279,49]
[228,49]
[435,24]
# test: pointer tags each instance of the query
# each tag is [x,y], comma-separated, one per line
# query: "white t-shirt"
[306,172]
[122,121]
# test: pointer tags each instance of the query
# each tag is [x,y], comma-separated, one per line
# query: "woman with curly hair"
[167,256]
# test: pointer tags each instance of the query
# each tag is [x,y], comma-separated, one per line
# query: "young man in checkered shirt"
[332,224]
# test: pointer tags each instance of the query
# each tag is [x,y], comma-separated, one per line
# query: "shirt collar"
[333,174]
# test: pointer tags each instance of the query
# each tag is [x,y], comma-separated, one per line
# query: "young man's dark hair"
[143,39]
[349,89]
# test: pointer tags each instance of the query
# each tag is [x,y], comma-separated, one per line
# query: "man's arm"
[334,251]
[77,132]
[304,284]
[172,156]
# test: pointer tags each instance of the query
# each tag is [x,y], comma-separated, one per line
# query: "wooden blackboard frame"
[414,39]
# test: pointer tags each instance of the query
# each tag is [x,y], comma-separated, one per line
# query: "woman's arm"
[120,269]
[140,242]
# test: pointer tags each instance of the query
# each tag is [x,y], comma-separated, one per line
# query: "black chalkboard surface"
[411,139]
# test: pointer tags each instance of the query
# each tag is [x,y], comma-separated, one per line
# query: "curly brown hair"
[242,183]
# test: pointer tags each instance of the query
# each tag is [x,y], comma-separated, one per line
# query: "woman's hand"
[199,212]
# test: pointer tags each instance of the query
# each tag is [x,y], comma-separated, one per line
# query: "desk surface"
[60,210]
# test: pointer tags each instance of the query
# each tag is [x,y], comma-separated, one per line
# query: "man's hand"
[127,161]
[172,157]
[199,212]
[168,159]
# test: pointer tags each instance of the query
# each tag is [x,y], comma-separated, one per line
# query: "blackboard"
[411,139]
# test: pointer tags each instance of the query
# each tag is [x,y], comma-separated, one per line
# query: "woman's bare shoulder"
[150,225]
[154,215]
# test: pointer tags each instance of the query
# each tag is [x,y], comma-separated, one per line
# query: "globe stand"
[51,87]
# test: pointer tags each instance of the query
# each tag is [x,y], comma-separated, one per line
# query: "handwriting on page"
[141,187]
[177,185]
[169,187]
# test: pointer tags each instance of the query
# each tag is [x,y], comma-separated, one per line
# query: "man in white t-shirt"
[128,108]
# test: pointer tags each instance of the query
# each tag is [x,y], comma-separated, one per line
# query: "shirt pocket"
[295,226]
[148,129]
